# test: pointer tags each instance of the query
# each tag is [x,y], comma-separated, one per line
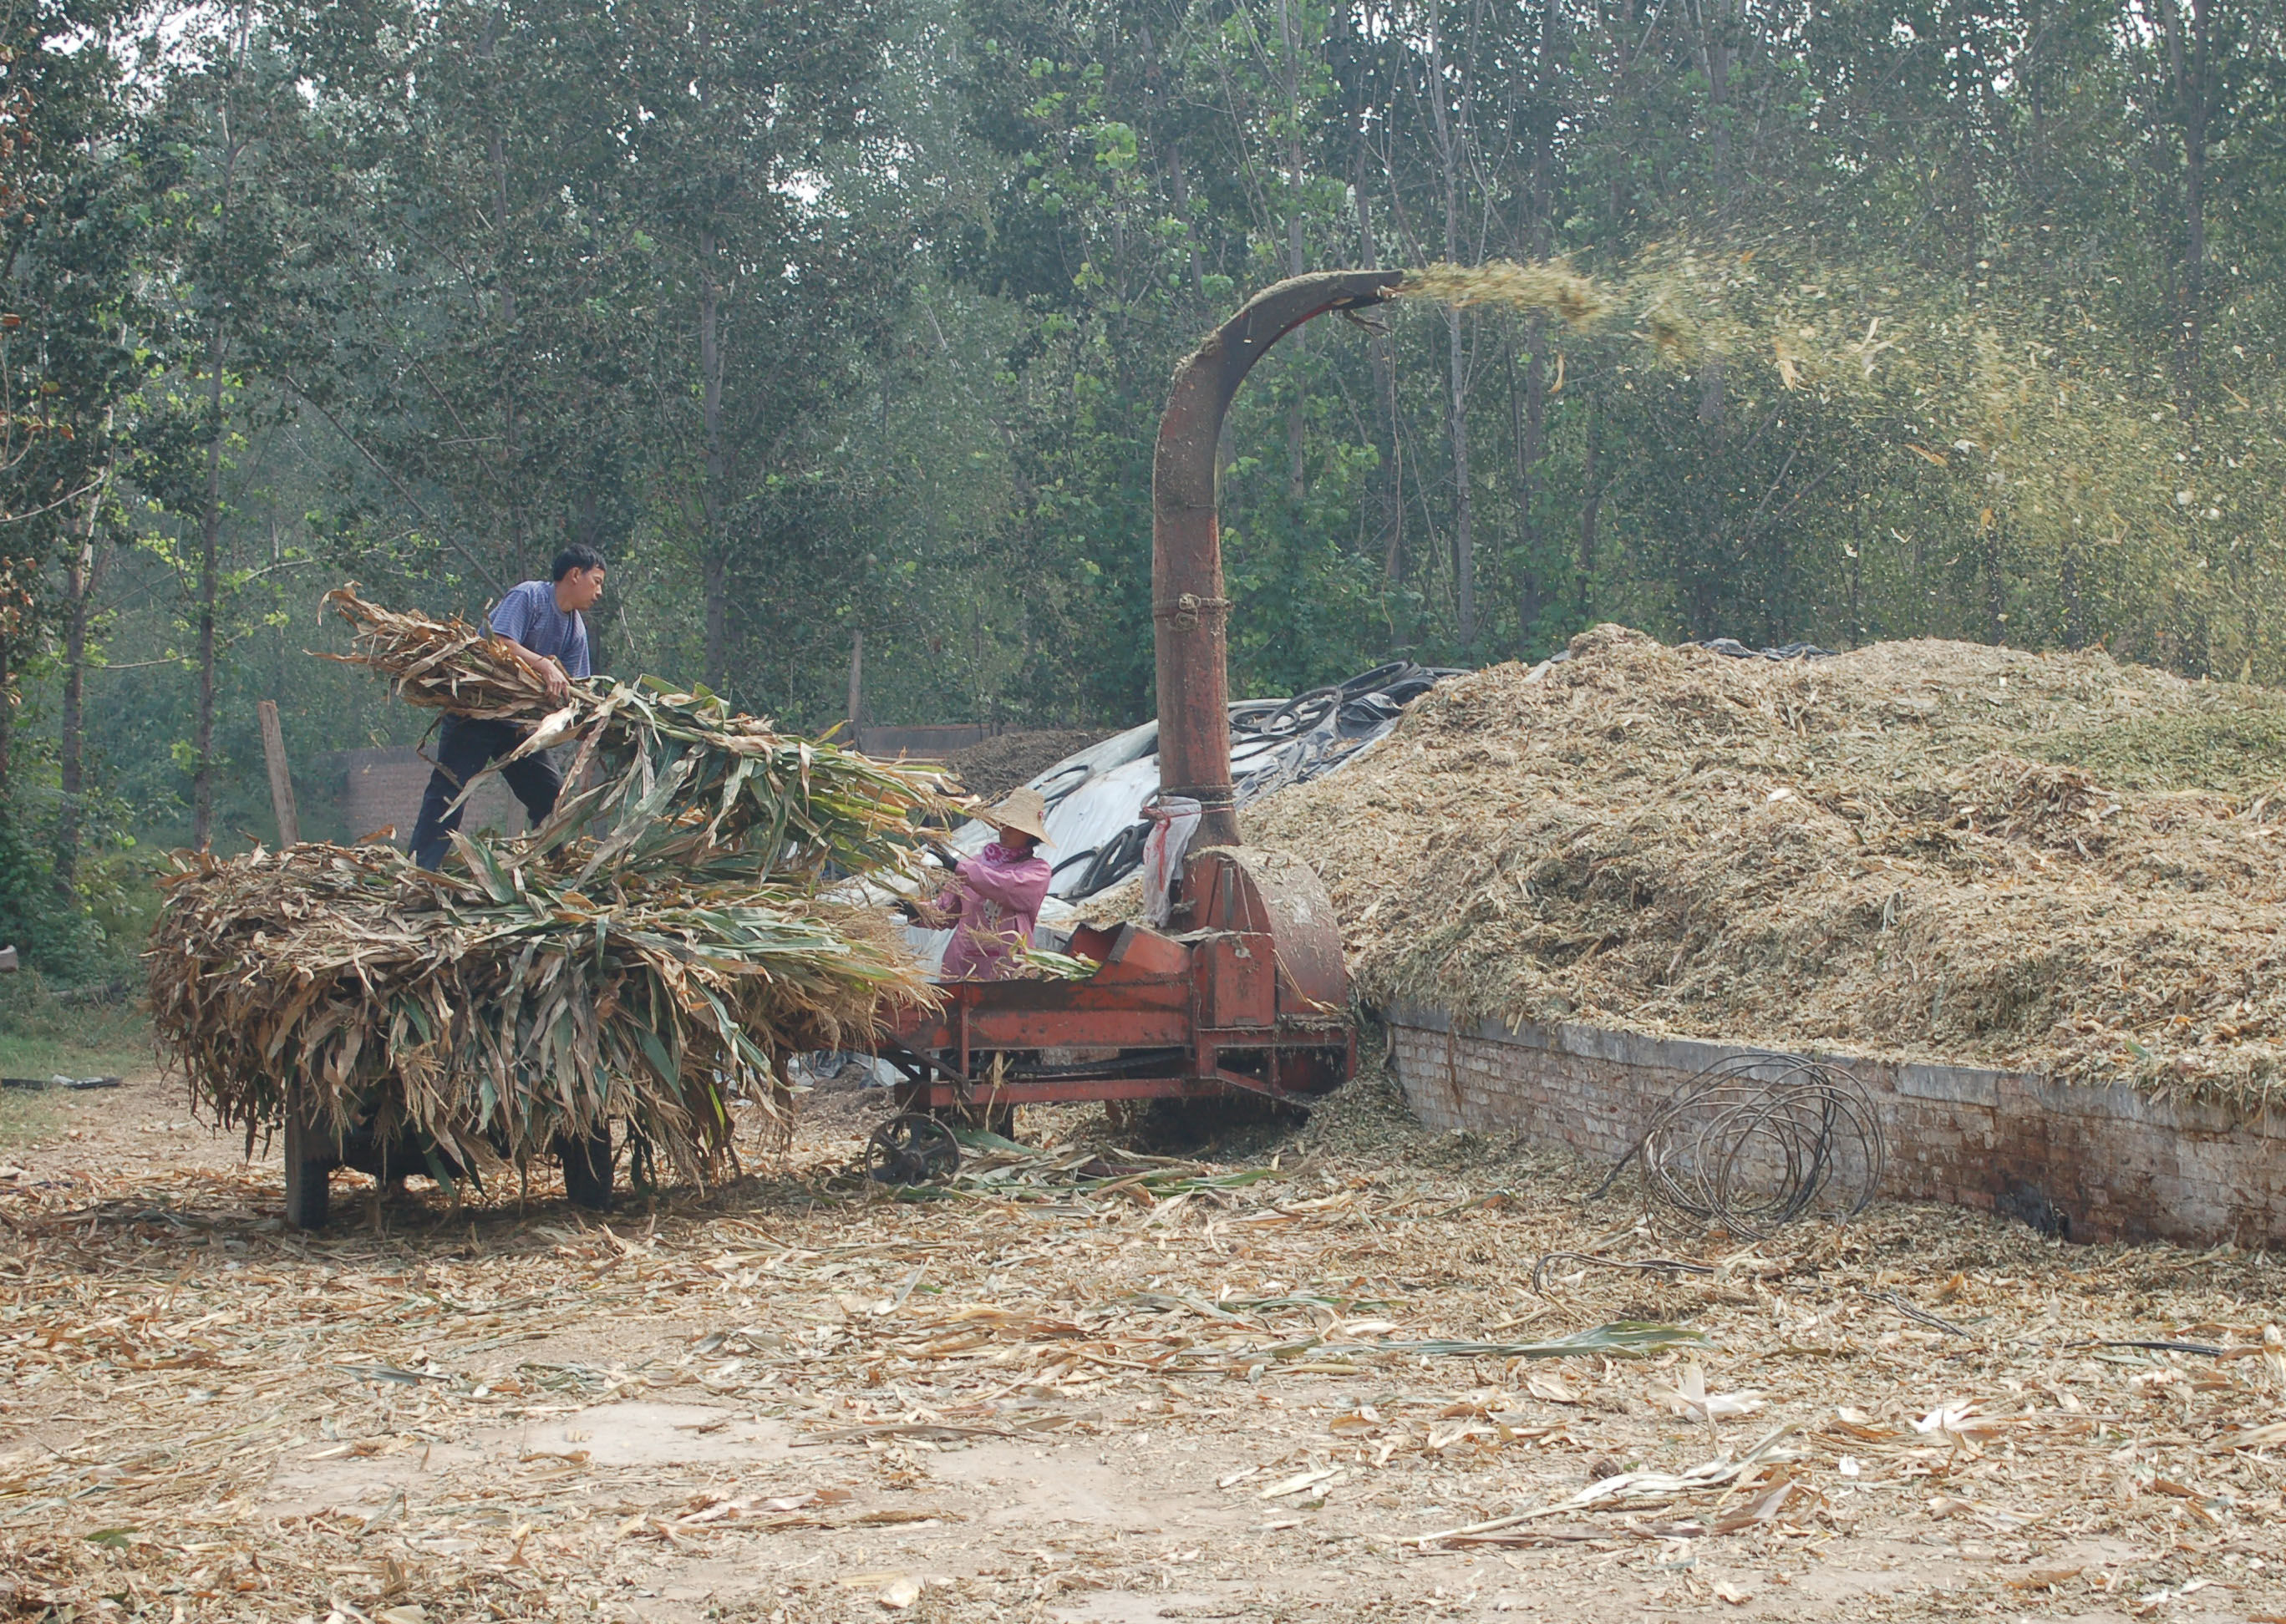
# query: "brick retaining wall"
[2112,1164]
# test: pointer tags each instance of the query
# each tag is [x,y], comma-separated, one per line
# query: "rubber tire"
[309,1176]
[587,1171]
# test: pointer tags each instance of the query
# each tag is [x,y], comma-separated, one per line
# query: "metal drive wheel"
[910,1148]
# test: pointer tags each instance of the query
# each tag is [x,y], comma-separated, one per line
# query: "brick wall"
[2112,1162]
[380,789]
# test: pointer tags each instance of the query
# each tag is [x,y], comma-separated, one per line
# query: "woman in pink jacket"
[993,899]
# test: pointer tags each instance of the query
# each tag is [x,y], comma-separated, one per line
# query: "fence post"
[282,781]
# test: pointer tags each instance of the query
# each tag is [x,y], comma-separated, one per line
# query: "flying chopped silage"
[537,988]
[1551,286]
[1923,850]
[1902,410]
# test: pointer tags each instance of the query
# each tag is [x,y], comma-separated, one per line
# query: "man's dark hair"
[578,555]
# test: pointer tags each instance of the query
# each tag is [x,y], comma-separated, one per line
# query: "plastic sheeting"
[1784,651]
[1095,822]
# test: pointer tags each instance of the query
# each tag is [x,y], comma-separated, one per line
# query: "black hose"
[1758,1140]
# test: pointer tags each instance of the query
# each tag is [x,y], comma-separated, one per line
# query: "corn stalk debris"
[784,1396]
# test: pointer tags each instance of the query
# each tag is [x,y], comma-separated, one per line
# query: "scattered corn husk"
[389,1416]
[1638,1489]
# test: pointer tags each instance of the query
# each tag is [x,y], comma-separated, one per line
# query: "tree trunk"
[714,587]
[1384,394]
[211,515]
[1967,208]
[713,548]
[488,51]
[1530,433]
[7,724]
[1591,496]
[1464,548]
[2191,70]
[209,591]
[2075,599]
[1857,576]
[1297,481]
[1298,485]
[1717,53]
[1996,585]
[1392,563]
[1530,430]
[82,579]
[1450,162]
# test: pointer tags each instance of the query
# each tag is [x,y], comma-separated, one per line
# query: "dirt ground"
[1088,1388]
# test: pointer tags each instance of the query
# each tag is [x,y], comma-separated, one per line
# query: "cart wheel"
[588,1170]
[309,1170]
[911,1148]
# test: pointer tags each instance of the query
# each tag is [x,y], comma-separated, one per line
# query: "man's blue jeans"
[465,748]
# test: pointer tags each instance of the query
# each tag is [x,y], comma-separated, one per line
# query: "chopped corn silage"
[1550,286]
[1918,850]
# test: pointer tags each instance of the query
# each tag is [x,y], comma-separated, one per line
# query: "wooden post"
[282,781]
[856,687]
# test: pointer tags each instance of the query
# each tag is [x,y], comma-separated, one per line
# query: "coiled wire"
[1758,1139]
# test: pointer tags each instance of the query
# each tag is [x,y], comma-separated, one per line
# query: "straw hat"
[1025,811]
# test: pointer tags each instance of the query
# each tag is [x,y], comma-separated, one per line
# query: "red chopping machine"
[1244,991]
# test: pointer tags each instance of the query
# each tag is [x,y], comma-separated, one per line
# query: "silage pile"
[654,949]
[1918,850]
[990,769]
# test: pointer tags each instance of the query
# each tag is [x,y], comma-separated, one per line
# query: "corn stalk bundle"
[497,1007]
[674,778]
[652,952]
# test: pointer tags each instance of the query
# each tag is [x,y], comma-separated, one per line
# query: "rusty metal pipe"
[1188,612]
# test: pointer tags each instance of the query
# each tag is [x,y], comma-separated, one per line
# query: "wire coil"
[1760,1140]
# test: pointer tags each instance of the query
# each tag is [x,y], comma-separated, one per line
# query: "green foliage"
[821,318]
[51,933]
[45,1033]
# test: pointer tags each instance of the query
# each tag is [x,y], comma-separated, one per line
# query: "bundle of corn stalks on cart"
[651,953]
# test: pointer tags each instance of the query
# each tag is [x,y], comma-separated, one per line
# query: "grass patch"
[42,1035]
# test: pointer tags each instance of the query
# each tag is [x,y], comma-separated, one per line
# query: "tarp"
[1095,822]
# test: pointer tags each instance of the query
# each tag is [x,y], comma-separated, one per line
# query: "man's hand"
[550,675]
